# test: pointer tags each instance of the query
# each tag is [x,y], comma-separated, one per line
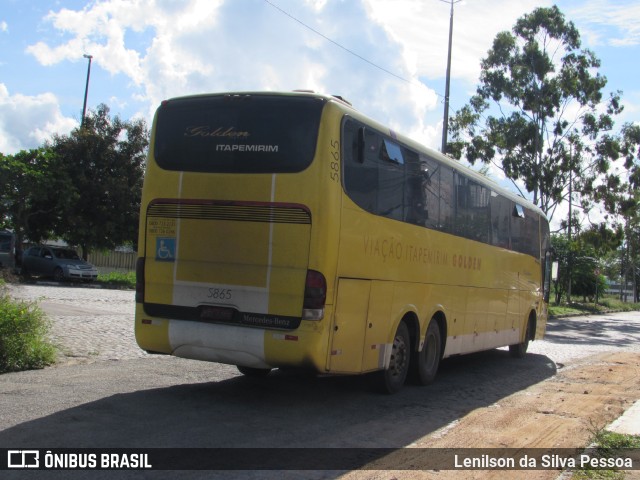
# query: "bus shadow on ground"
[284,410]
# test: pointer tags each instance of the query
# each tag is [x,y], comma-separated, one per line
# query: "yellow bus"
[289,230]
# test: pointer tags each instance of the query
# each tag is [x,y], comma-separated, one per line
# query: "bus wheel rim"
[399,356]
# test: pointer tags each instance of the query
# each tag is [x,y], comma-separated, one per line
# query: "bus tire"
[392,379]
[519,350]
[254,372]
[426,362]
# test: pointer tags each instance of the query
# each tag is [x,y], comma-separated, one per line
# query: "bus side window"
[391,179]
[447,200]
[525,237]
[500,219]
[517,227]
[532,234]
[416,210]
[360,174]
[472,209]
[430,179]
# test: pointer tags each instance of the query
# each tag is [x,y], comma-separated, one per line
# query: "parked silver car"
[60,263]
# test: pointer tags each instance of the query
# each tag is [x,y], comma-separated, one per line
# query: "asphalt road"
[124,398]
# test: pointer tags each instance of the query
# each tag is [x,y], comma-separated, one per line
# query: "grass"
[606,304]
[118,279]
[24,330]
[608,444]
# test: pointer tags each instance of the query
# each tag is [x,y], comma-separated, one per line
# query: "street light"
[86,88]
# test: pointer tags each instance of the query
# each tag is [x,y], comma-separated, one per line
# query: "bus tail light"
[315,296]
[140,280]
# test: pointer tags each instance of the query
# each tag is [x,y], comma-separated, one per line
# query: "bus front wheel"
[427,361]
[392,379]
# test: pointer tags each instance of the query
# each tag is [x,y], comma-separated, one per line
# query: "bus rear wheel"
[427,361]
[254,372]
[392,379]
[519,350]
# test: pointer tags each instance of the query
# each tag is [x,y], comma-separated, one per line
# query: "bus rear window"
[237,133]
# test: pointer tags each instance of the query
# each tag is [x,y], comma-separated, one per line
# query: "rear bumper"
[234,344]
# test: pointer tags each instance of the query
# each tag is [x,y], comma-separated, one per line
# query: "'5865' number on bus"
[334,161]
[220,293]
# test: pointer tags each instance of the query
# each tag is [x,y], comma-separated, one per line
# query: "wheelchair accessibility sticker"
[165,249]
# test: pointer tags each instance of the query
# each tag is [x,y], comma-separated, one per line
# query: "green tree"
[577,260]
[33,191]
[104,160]
[620,194]
[602,239]
[539,110]
[586,280]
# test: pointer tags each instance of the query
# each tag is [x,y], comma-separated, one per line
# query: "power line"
[352,52]
[343,47]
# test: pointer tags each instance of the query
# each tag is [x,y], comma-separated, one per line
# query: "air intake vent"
[239,212]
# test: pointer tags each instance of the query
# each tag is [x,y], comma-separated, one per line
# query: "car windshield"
[66,254]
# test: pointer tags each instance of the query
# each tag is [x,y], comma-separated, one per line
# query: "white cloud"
[422,27]
[4,26]
[99,30]
[606,23]
[206,46]
[213,46]
[28,121]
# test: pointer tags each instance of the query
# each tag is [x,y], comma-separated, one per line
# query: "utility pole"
[569,260]
[86,89]
[445,121]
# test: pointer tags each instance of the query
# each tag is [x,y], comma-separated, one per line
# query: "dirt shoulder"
[561,412]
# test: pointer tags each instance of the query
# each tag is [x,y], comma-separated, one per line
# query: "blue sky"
[147,50]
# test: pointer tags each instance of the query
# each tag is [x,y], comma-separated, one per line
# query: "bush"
[23,336]
[119,279]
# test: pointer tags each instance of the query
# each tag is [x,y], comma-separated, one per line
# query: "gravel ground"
[92,324]
[87,323]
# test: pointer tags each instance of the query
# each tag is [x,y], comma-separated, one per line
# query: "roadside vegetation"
[608,445]
[24,329]
[118,280]
[609,303]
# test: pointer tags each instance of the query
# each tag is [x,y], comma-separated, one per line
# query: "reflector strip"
[149,321]
[279,336]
